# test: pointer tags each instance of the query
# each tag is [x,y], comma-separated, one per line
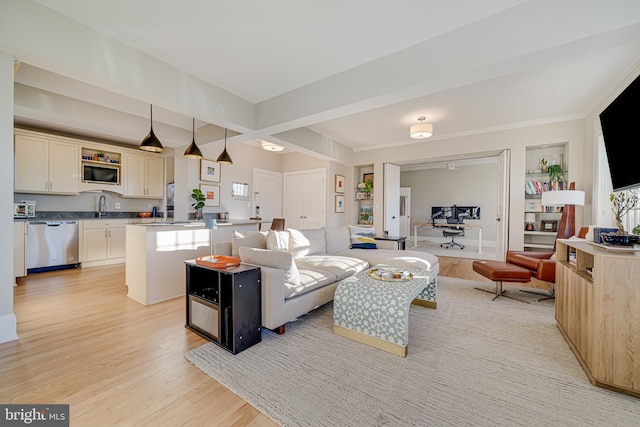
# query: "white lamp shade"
[421,131]
[529,218]
[563,197]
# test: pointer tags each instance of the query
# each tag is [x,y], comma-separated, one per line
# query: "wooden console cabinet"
[598,312]
[225,305]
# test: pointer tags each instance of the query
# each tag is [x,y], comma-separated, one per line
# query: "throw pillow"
[299,245]
[252,239]
[362,237]
[274,259]
[278,240]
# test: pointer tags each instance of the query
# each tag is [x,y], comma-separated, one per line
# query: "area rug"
[470,362]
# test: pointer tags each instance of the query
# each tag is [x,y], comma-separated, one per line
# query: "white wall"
[473,185]
[8,329]
[245,159]
[570,132]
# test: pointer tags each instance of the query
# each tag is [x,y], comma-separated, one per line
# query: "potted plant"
[100,157]
[199,198]
[555,173]
[622,202]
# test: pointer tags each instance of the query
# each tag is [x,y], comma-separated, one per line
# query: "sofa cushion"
[275,259]
[252,239]
[362,237]
[337,238]
[306,242]
[341,266]
[278,240]
[310,279]
[394,258]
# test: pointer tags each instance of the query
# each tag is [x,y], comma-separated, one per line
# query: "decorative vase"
[198,215]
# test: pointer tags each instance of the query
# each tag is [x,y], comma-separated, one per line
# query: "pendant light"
[224,158]
[193,152]
[151,142]
[421,130]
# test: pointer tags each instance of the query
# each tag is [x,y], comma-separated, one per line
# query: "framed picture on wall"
[339,184]
[339,204]
[211,194]
[209,170]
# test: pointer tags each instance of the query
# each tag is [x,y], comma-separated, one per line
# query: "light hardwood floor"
[83,342]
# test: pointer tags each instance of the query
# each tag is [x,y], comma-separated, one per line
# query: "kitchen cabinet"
[45,164]
[19,249]
[143,176]
[102,241]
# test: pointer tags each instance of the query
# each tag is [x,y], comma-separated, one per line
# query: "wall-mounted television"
[619,122]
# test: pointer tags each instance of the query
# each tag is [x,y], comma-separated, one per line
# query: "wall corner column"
[8,322]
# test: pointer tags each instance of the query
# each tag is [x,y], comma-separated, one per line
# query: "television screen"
[620,133]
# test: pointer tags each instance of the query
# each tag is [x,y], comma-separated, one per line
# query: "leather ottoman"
[500,272]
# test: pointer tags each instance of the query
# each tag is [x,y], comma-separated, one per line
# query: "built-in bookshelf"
[540,225]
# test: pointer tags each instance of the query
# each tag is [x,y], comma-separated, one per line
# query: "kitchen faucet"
[102,206]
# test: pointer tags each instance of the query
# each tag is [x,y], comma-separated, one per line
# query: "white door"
[502,210]
[267,194]
[391,199]
[305,199]
[405,211]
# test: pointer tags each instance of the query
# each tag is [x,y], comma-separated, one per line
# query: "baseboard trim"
[8,328]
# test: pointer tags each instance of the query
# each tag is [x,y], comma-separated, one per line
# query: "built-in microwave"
[101,173]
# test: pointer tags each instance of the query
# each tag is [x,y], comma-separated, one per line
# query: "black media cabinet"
[224,304]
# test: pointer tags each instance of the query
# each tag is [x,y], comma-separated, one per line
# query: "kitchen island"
[155,255]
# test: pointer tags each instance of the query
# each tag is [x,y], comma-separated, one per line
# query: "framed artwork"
[209,170]
[551,226]
[211,194]
[339,184]
[366,177]
[339,204]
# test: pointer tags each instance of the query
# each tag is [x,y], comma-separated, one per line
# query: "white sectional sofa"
[301,268]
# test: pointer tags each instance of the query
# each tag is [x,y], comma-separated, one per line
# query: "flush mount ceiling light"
[421,130]
[270,146]
[224,158]
[151,142]
[193,152]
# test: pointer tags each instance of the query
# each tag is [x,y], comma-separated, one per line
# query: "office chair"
[453,232]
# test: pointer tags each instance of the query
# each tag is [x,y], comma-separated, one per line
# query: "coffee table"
[376,312]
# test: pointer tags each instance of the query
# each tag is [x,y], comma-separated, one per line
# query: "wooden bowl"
[144,214]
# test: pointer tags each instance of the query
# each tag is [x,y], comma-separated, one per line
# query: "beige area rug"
[470,362]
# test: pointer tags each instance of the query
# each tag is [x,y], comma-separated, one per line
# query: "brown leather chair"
[539,263]
[277,224]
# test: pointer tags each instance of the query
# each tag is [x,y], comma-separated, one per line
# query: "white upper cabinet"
[143,176]
[45,165]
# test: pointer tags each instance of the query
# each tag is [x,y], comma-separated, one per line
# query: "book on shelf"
[538,187]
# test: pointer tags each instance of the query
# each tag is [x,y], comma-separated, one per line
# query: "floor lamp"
[569,199]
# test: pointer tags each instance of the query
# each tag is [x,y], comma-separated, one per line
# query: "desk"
[440,225]
[398,239]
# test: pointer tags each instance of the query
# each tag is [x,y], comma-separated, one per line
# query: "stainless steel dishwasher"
[51,245]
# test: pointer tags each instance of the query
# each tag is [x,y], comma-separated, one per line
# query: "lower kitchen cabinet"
[102,241]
